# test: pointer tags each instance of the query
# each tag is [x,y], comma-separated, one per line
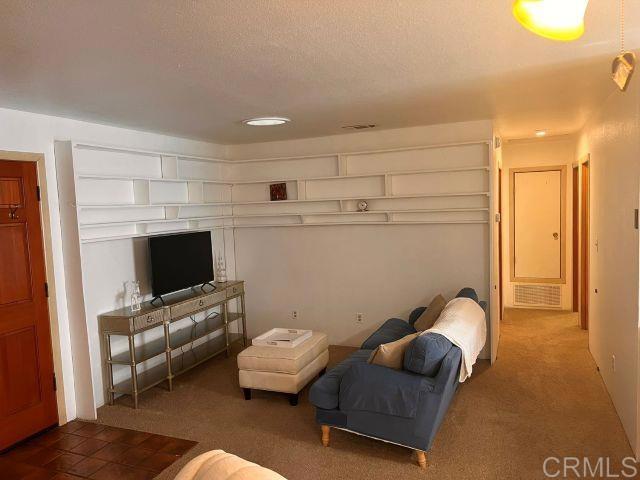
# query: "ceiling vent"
[359,127]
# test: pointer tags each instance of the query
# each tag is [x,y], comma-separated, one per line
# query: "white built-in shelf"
[365,175]
[258,215]
[153,179]
[279,225]
[286,180]
[274,202]
[127,193]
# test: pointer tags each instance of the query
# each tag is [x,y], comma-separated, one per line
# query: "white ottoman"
[283,369]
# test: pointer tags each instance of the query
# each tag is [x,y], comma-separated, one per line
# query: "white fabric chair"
[220,465]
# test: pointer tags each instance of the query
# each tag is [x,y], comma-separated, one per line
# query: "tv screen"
[180,261]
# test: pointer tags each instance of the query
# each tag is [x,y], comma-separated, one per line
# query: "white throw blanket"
[464,324]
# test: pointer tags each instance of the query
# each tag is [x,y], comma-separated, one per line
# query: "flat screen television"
[180,261]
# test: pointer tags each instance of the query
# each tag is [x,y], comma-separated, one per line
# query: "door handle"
[555,235]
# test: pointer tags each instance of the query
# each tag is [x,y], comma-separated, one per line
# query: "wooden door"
[585,244]
[537,215]
[27,384]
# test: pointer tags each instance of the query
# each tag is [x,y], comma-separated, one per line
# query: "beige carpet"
[542,398]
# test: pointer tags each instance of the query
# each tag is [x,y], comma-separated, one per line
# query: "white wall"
[27,132]
[550,151]
[330,273]
[612,138]
[367,140]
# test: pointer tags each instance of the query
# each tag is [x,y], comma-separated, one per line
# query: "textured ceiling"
[196,68]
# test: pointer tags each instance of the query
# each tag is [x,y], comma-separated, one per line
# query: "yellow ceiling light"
[554,19]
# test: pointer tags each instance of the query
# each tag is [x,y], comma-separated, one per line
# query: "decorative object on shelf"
[221,269]
[133,294]
[278,191]
[624,64]
[561,20]
[363,206]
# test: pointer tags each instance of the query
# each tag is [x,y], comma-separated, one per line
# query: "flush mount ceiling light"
[266,121]
[561,20]
[541,133]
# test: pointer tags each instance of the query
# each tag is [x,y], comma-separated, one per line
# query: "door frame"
[585,242]
[45,225]
[563,222]
[575,248]
[500,253]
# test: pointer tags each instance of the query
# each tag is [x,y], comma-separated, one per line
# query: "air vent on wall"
[359,127]
[547,296]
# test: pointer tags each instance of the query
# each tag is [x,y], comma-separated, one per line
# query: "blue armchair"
[405,407]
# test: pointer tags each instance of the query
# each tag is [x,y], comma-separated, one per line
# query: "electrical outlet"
[613,363]
[294,315]
[359,317]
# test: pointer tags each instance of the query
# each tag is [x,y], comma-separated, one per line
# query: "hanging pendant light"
[561,20]
[624,64]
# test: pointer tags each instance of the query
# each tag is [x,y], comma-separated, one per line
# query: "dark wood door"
[27,385]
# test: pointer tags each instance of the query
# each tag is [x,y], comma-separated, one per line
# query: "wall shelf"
[128,193]
[277,202]
[364,175]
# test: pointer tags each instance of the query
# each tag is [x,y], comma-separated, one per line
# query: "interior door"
[537,199]
[27,396]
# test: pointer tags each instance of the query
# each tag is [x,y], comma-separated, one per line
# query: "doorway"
[27,383]
[584,244]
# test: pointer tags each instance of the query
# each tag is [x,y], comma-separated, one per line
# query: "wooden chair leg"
[422,458]
[326,433]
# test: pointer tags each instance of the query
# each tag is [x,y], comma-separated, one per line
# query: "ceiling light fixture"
[266,121]
[624,64]
[541,133]
[561,20]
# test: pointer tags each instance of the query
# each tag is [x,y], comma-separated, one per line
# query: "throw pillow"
[431,314]
[391,354]
[424,354]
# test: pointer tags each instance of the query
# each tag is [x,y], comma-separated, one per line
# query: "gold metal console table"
[186,304]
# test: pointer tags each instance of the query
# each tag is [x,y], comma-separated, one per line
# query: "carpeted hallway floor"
[543,397]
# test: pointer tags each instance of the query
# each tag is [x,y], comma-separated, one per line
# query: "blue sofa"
[405,407]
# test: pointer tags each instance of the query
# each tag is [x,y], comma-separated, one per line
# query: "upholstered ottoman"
[283,369]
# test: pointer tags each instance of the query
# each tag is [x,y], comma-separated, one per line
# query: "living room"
[337,169]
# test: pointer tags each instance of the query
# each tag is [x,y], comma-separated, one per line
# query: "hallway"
[543,398]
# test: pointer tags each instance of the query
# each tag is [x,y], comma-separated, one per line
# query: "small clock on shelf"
[363,206]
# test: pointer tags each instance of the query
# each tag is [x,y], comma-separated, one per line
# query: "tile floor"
[90,450]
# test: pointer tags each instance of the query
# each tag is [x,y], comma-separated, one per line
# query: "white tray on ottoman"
[283,369]
[282,337]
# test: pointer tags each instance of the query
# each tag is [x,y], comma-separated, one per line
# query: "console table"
[186,304]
